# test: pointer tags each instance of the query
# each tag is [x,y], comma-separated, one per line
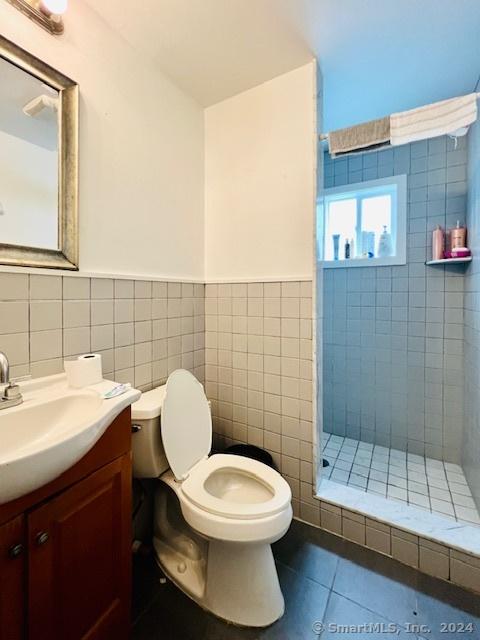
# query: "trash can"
[250,451]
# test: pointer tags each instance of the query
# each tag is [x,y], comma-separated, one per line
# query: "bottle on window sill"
[385,244]
[347,249]
[336,243]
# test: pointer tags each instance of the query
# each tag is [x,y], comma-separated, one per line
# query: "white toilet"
[215,517]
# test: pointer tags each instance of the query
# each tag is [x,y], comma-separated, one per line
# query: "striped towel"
[437,119]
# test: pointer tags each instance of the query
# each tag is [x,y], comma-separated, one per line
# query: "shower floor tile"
[433,485]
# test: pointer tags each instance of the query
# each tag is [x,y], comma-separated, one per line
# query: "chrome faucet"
[11,393]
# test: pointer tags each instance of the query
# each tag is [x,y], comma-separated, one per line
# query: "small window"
[365,223]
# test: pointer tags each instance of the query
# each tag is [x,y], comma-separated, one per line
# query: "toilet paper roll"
[84,371]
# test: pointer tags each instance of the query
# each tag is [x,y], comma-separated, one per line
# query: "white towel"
[437,119]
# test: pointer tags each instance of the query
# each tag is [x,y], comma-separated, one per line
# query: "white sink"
[51,430]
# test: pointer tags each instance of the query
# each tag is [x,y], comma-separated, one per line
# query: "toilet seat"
[228,528]
[236,487]
[225,486]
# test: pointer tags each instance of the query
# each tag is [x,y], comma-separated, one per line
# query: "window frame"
[368,189]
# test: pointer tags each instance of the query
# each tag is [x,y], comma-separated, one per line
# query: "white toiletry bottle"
[385,244]
[336,244]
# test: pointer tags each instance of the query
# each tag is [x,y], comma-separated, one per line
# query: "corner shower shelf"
[449,261]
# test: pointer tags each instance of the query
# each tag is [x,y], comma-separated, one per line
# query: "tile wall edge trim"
[338,530]
[304,278]
[96,274]
[424,535]
[147,276]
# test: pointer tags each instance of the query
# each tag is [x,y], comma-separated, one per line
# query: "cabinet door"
[12,577]
[80,559]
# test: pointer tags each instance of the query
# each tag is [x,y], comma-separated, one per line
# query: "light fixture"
[55,7]
[46,13]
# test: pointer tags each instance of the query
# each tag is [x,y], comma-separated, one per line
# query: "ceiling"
[382,56]
[212,49]
[377,56]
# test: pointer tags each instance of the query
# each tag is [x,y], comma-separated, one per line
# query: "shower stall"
[400,339]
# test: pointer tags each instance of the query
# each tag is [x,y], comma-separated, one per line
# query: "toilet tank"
[149,460]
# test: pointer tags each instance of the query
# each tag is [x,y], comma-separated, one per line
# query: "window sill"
[363,262]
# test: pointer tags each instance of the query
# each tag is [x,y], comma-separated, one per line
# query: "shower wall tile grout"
[471,435]
[143,329]
[393,336]
[258,372]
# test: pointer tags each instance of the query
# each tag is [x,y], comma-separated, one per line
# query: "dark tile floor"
[326,581]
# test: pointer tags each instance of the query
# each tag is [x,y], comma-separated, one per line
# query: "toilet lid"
[186,423]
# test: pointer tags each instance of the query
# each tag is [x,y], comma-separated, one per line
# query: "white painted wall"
[260,160]
[28,193]
[141,150]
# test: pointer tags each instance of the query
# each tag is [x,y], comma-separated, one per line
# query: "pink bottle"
[438,243]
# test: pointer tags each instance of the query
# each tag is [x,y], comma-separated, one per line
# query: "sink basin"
[51,430]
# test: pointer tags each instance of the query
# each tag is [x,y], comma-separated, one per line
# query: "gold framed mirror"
[38,162]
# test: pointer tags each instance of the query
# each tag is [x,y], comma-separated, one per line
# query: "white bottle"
[385,244]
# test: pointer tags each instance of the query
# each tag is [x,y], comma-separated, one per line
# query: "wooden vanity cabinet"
[65,559]
[12,579]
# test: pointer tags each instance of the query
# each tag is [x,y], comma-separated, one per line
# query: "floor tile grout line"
[409,468]
[362,605]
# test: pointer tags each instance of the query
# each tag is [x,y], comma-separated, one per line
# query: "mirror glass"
[29,158]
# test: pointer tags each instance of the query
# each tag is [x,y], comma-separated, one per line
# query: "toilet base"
[242,584]
[237,582]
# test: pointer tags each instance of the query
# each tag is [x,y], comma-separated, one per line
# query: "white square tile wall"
[258,371]
[393,336]
[143,329]
[471,430]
